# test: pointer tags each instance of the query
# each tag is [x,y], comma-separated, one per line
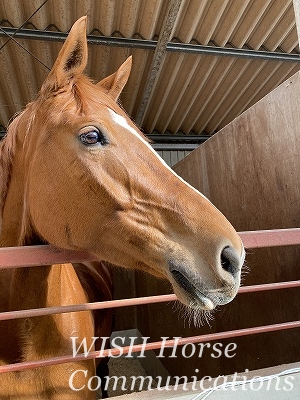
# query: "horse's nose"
[231,261]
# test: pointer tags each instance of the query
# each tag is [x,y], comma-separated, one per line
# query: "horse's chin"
[195,297]
[196,300]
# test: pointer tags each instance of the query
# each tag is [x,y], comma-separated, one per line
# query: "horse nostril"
[230,261]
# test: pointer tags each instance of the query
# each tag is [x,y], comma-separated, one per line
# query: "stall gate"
[30,256]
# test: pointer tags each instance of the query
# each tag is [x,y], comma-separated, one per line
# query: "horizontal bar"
[174,147]
[29,256]
[33,256]
[149,346]
[270,238]
[145,44]
[269,286]
[168,142]
[37,312]
[168,138]
[232,52]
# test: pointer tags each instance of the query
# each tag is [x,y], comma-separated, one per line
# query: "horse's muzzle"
[195,295]
[219,287]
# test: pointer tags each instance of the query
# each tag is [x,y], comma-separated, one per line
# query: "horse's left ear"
[114,84]
[72,58]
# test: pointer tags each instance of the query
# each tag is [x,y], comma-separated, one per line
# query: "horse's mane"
[7,149]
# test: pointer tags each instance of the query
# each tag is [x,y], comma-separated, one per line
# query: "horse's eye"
[91,136]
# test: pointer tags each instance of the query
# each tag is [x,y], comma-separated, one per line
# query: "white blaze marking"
[118,119]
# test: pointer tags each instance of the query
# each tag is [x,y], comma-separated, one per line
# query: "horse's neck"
[25,288]
[13,207]
[48,287]
[31,339]
[44,286]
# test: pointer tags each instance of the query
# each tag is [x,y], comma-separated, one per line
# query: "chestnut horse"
[78,174]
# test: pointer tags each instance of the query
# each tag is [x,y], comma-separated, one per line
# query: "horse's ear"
[114,84]
[72,58]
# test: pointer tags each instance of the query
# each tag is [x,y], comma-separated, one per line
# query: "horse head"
[91,181]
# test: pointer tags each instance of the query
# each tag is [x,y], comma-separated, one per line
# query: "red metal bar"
[34,256]
[28,256]
[149,346]
[46,255]
[37,312]
[86,306]
[269,286]
[270,238]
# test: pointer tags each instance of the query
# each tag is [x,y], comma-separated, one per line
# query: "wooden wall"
[250,170]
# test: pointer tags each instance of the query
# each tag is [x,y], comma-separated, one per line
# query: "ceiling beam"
[158,58]
[145,44]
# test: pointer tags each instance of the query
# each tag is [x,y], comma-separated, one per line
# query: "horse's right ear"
[113,84]
[72,58]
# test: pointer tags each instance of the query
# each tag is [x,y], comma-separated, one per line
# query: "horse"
[77,173]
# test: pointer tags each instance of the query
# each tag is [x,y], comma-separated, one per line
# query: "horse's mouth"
[196,297]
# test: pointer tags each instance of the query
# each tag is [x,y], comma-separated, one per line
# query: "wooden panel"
[250,171]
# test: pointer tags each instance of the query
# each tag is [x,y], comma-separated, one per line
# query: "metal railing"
[29,256]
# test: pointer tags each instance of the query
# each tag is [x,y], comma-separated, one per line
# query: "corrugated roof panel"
[209,88]
[259,16]
[274,26]
[211,19]
[208,94]
[234,18]
[250,96]
[192,92]
[24,73]
[189,19]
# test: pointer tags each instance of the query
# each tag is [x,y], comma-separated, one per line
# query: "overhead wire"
[11,37]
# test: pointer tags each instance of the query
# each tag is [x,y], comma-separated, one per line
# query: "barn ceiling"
[197,64]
